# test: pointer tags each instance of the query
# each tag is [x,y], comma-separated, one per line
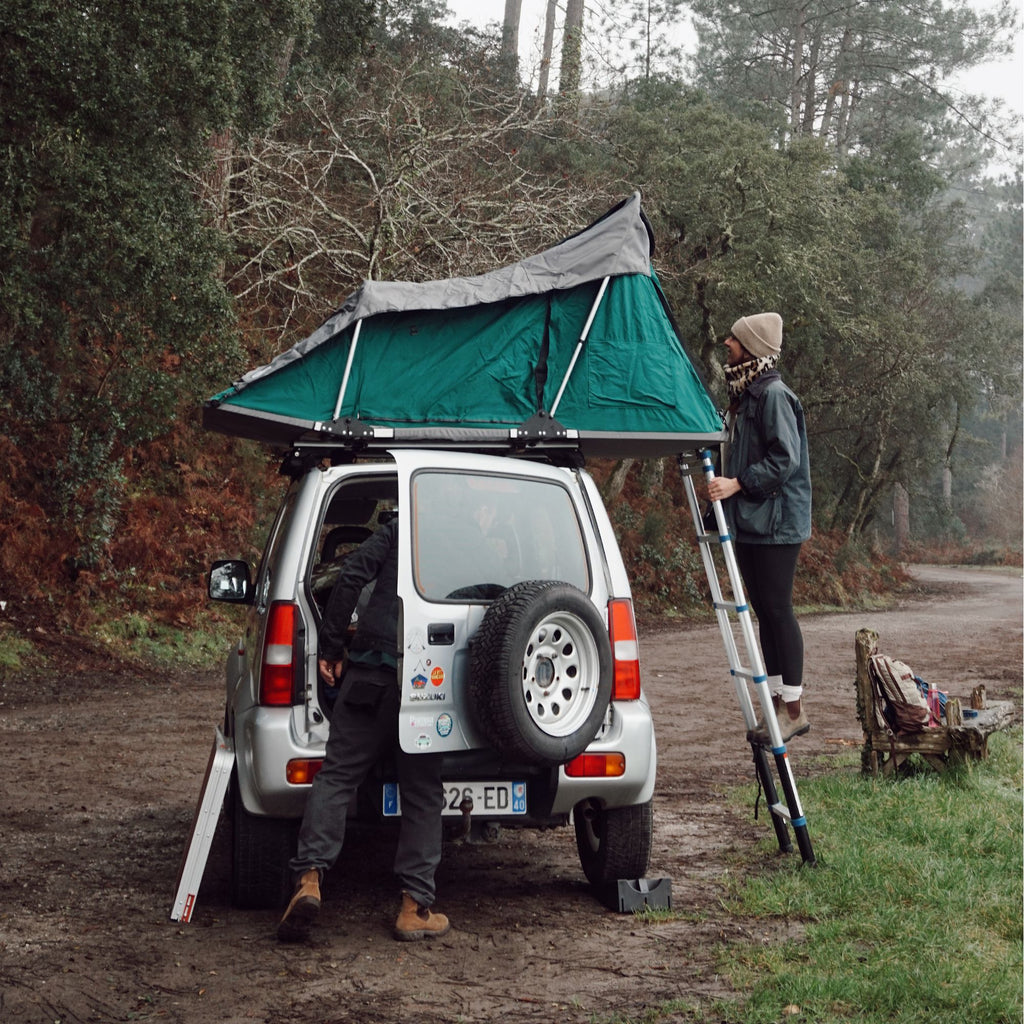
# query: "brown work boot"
[303,909]
[788,728]
[416,922]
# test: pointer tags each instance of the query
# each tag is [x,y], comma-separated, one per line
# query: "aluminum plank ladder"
[204,825]
[736,611]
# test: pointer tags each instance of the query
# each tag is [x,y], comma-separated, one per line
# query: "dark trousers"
[364,725]
[768,571]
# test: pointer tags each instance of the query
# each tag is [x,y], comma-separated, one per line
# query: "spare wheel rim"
[561,671]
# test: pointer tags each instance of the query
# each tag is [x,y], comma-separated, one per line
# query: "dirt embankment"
[102,772]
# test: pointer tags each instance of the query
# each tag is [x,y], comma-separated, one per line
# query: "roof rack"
[540,436]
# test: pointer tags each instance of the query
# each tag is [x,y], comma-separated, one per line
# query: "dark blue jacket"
[768,455]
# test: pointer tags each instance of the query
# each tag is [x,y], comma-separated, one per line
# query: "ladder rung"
[782,811]
[729,606]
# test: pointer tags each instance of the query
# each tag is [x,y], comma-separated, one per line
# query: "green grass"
[168,646]
[132,637]
[914,913]
[14,649]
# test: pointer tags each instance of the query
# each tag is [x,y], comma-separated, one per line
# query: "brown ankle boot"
[303,909]
[416,922]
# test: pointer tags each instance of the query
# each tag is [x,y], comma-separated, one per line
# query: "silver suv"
[519,658]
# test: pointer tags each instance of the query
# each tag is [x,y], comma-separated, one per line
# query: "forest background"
[190,186]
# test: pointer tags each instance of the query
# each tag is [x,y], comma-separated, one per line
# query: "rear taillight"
[625,650]
[281,655]
[597,766]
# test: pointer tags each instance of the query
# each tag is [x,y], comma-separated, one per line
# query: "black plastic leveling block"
[643,893]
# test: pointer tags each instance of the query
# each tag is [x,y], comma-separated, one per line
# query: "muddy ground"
[101,773]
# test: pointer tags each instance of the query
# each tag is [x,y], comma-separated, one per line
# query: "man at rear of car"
[363,726]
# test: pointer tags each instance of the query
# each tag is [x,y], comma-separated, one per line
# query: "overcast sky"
[1004,80]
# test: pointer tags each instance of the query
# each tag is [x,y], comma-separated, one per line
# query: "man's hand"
[723,487]
[330,671]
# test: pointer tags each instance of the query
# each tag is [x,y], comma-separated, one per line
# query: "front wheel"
[613,842]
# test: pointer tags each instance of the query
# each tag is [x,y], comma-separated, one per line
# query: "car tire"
[260,851]
[540,672]
[613,842]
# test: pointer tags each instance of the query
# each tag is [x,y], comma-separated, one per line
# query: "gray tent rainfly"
[574,347]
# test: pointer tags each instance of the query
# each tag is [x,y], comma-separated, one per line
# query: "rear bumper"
[265,741]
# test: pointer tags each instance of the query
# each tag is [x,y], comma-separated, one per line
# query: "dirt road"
[101,775]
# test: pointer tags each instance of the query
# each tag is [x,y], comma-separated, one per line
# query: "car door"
[473,525]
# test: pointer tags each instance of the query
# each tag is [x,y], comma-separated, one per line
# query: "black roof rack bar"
[542,432]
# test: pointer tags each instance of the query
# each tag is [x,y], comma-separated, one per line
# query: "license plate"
[491,799]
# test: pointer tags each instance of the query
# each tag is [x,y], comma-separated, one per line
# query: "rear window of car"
[476,534]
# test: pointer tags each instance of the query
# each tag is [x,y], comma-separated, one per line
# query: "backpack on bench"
[899,705]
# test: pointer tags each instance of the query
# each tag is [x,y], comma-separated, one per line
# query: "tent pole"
[580,344]
[348,368]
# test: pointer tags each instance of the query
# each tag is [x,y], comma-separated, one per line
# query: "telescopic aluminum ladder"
[790,812]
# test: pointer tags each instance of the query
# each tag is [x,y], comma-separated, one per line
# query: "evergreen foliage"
[113,314]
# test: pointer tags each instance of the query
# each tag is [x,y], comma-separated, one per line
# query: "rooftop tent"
[575,346]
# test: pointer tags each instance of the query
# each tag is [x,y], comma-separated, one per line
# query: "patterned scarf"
[739,376]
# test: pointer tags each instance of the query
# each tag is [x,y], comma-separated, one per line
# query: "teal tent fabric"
[488,353]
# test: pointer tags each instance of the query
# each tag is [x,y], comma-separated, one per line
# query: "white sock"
[791,693]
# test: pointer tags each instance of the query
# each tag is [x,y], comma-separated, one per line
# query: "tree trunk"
[811,85]
[900,518]
[837,87]
[549,45]
[617,480]
[947,462]
[572,57]
[844,131]
[647,43]
[215,187]
[510,39]
[796,71]
[652,476]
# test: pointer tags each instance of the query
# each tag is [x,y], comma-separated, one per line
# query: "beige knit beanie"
[760,334]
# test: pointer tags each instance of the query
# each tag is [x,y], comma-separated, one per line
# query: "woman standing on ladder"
[766,490]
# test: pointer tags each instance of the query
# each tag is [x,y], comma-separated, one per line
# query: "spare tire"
[540,672]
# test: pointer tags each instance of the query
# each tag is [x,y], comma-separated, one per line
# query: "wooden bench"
[937,747]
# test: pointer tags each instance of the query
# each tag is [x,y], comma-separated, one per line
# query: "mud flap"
[204,824]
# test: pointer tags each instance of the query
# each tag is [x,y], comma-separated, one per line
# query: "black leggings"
[768,571]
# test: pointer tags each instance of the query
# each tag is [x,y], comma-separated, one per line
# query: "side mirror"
[229,580]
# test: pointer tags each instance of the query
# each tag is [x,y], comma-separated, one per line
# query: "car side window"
[474,535]
[272,551]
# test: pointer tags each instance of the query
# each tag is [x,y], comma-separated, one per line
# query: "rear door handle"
[441,634]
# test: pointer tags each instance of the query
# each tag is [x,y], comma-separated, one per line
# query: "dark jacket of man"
[376,637]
